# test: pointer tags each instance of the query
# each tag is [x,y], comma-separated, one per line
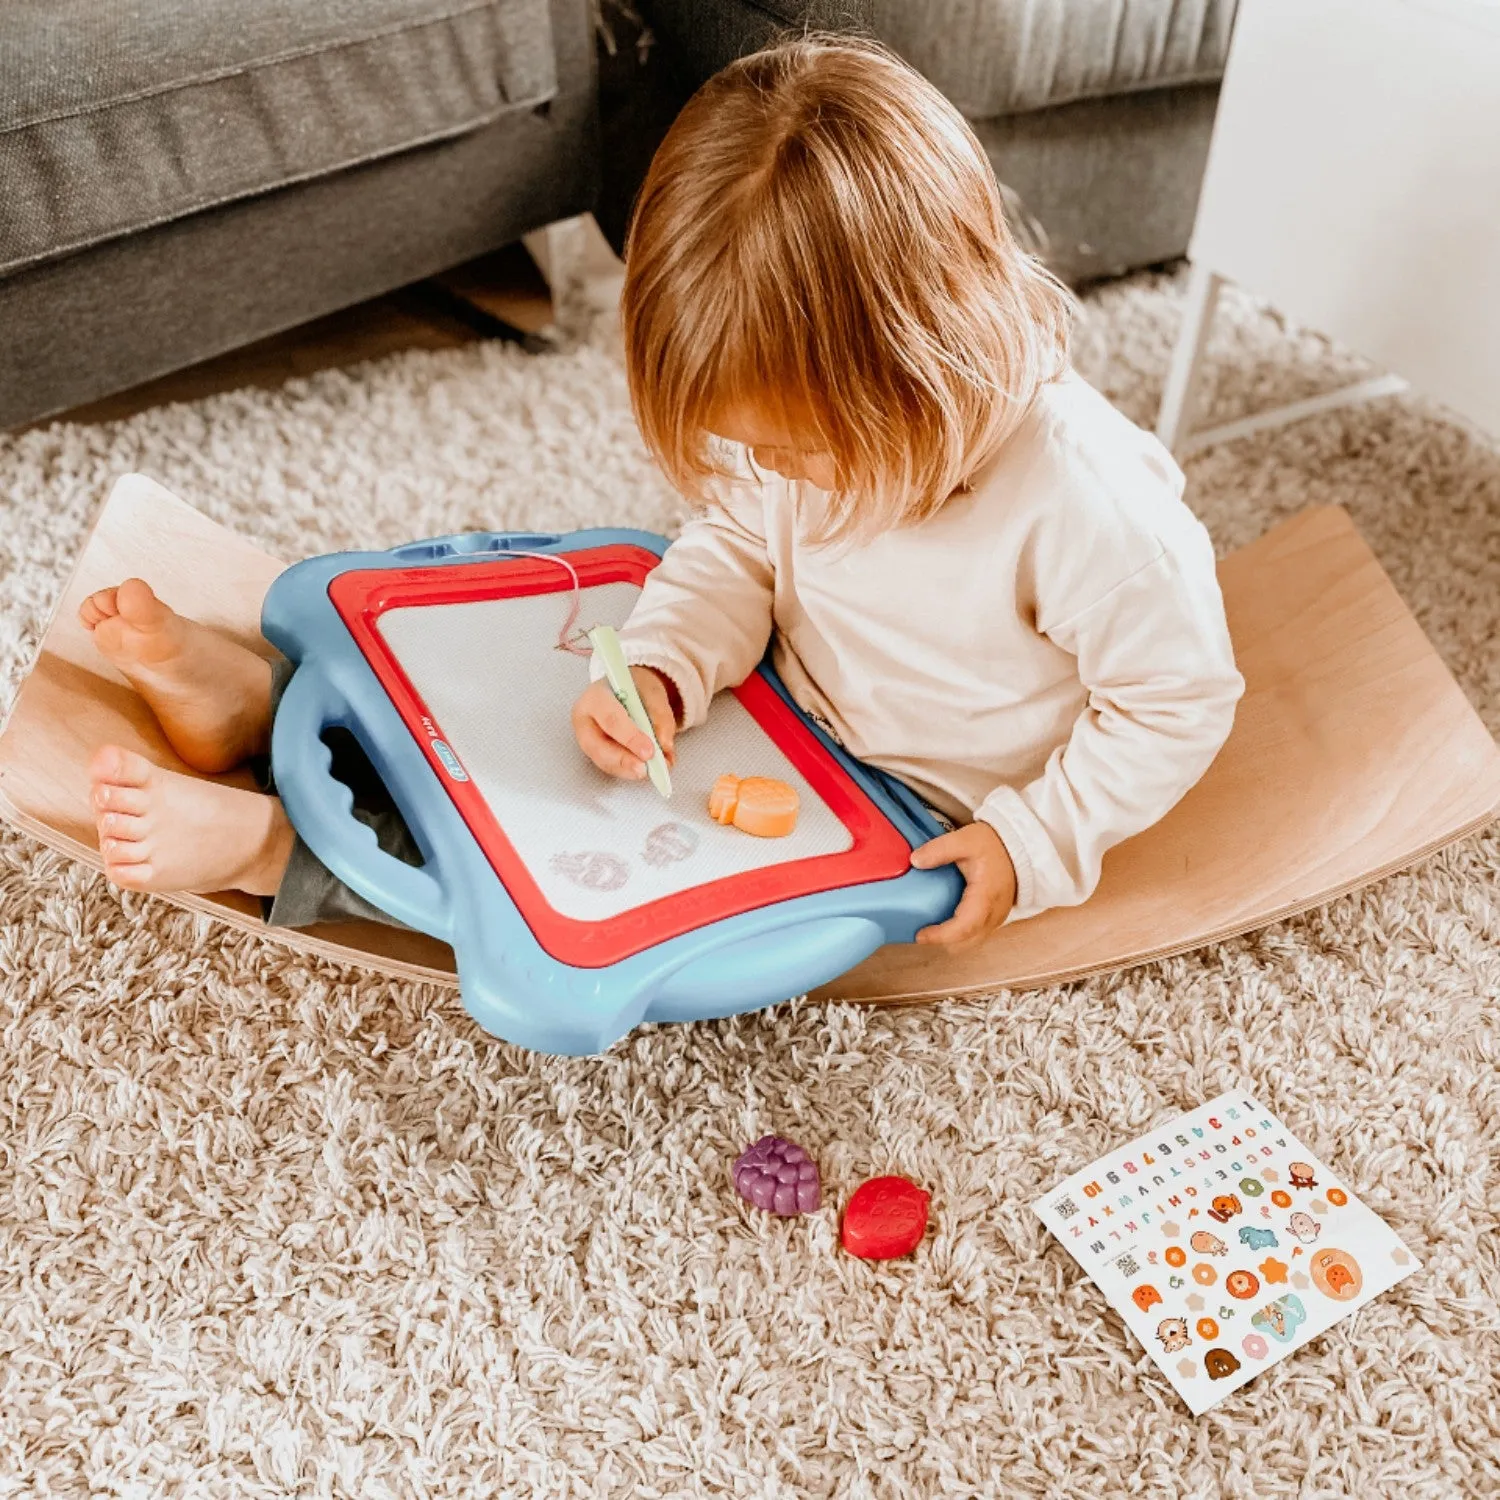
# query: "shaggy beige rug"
[274,1228]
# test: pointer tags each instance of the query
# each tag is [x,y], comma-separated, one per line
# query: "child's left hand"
[990,883]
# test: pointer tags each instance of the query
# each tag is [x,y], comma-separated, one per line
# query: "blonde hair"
[821,232]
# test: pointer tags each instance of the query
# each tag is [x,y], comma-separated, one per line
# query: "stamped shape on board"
[593,870]
[1186,1368]
[1255,1346]
[1204,1274]
[1257,1239]
[1145,1296]
[1336,1274]
[1173,1335]
[668,843]
[1204,1243]
[1304,1228]
[1338,1197]
[1301,1173]
[1272,1269]
[1207,1328]
[1280,1319]
[885,1218]
[1251,1187]
[1220,1364]
[1242,1285]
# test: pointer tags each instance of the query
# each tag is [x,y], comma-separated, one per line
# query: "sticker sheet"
[1224,1243]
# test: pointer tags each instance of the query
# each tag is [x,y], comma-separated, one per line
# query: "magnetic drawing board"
[557,881]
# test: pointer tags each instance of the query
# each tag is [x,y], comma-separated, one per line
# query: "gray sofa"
[1095,113]
[180,177]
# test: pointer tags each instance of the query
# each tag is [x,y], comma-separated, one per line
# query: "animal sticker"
[1336,1273]
[1145,1296]
[1173,1334]
[1257,1239]
[1304,1228]
[1301,1174]
[1205,1243]
[1225,1207]
[1220,1364]
[1281,1319]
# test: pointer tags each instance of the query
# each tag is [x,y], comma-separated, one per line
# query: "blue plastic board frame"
[510,985]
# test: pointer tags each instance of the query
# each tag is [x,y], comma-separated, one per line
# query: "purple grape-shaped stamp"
[779,1176]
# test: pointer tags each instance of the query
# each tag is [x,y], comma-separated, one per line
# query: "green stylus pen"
[617,672]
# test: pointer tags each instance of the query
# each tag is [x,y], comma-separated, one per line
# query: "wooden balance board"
[1354,754]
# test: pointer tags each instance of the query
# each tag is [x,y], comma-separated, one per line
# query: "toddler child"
[972,570]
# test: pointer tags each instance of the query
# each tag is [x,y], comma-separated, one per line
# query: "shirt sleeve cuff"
[1028,845]
[682,677]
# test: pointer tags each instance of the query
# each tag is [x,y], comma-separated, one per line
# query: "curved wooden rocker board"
[1354,753]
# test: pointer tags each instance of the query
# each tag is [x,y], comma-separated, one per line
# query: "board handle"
[321,808]
[476,544]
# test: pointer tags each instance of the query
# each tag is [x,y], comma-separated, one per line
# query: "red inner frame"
[878,850]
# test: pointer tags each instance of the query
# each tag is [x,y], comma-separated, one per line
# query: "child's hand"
[610,740]
[990,883]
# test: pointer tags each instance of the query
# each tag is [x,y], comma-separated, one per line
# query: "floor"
[269,1227]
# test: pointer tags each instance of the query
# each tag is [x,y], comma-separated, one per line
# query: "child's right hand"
[610,740]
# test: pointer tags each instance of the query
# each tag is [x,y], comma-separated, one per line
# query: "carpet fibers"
[273,1227]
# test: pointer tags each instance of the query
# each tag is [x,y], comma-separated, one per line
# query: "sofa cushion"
[117,115]
[999,57]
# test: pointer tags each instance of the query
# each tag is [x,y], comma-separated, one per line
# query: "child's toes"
[121,828]
[97,607]
[139,606]
[130,877]
[111,797]
[120,767]
[123,845]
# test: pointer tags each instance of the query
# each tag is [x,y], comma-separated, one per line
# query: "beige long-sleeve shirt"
[1048,653]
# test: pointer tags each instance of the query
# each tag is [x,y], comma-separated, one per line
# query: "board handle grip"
[476,544]
[321,809]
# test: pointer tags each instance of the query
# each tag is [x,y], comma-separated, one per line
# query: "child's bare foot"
[162,831]
[211,695]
